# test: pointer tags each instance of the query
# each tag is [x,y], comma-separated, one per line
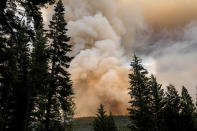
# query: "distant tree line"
[35,87]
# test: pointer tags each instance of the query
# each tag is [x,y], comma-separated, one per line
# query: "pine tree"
[39,72]
[103,122]
[187,111]
[157,103]
[60,94]
[15,62]
[139,111]
[8,78]
[14,72]
[22,87]
[172,109]
[100,123]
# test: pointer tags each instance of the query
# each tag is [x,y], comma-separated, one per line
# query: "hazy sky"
[105,33]
[168,13]
[172,45]
[167,39]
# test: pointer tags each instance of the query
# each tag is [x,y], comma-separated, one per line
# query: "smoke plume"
[98,69]
[105,33]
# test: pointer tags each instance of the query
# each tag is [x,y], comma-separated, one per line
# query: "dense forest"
[36,91]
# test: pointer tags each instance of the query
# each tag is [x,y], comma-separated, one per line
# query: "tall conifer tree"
[60,93]
[14,72]
[39,71]
[139,111]
[8,78]
[16,81]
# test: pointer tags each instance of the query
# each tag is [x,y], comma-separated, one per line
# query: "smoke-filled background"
[104,35]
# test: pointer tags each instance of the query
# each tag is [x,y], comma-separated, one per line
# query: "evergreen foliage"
[60,94]
[25,76]
[14,72]
[139,111]
[150,105]
[39,73]
[157,103]
[172,109]
[103,122]
[36,91]
[187,111]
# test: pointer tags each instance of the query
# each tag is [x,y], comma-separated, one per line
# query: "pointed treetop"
[101,111]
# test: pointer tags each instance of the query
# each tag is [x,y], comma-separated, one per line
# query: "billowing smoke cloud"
[98,69]
[105,33]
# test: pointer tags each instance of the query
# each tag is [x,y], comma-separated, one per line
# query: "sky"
[106,33]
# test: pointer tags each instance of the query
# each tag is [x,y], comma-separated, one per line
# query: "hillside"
[85,123]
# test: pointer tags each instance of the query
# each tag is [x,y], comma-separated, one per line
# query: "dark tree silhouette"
[16,78]
[172,109]
[187,111]
[60,93]
[139,111]
[103,122]
[157,103]
[14,73]
[39,73]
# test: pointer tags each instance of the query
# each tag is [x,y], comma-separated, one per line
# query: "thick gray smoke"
[175,53]
[105,33]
